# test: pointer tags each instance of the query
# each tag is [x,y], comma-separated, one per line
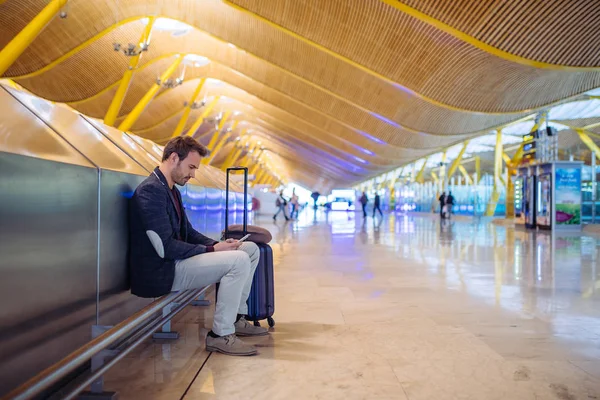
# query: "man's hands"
[228,245]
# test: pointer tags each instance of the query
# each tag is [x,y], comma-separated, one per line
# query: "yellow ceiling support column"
[218,148]
[257,174]
[188,109]
[257,164]
[19,43]
[266,178]
[221,143]
[518,157]
[420,178]
[200,118]
[501,180]
[477,169]
[239,148]
[213,140]
[139,108]
[261,175]
[392,187]
[270,179]
[395,179]
[498,157]
[246,159]
[117,101]
[510,194]
[456,162]
[594,125]
[491,207]
[233,157]
[463,171]
[443,173]
[267,175]
[588,141]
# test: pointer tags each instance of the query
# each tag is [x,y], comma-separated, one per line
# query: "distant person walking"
[442,201]
[295,205]
[364,200]
[315,197]
[377,205]
[449,204]
[281,203]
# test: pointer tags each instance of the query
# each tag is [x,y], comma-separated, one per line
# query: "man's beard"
[179,178]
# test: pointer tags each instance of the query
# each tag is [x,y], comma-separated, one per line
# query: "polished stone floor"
[400,308]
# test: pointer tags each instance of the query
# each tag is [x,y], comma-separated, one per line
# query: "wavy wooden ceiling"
[567,34]
[345,89]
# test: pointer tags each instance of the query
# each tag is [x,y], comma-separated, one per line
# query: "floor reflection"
[405,307]
[470,255]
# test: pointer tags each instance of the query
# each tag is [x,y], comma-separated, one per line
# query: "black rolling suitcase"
[261,302]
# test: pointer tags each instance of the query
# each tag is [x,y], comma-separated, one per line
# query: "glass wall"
[587,200]
[468,199]
[588,214]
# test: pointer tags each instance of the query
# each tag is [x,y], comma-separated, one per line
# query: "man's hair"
[183,145]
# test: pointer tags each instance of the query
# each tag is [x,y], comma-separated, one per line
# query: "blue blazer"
[157,237]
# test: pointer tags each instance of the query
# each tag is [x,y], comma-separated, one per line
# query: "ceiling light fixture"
[195,105]
[131,50]
[170,83]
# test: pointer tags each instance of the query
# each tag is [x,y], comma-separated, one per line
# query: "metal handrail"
[59,371]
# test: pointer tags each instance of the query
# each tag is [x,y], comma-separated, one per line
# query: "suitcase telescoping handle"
[229,170]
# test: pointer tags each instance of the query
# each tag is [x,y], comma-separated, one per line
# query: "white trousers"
[233,269]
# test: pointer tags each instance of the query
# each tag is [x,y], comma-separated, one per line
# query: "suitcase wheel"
[256,323]
[271,322]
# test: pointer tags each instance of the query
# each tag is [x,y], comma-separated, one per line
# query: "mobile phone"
[244,238]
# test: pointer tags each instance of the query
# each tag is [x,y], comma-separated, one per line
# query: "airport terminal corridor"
[402,307]
[135,133]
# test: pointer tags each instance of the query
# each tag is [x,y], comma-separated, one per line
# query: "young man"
[364,200]
[295,205]
[449,204]
[442,201]
[281,204]
[167,254]
[377,205]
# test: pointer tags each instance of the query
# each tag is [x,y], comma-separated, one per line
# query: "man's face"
[186,168]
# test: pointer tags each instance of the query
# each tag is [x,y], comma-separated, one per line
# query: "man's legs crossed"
[242,327]
[235,271]
[230,268]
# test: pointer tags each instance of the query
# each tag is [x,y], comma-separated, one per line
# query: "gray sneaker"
[230,345]
[245,328]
